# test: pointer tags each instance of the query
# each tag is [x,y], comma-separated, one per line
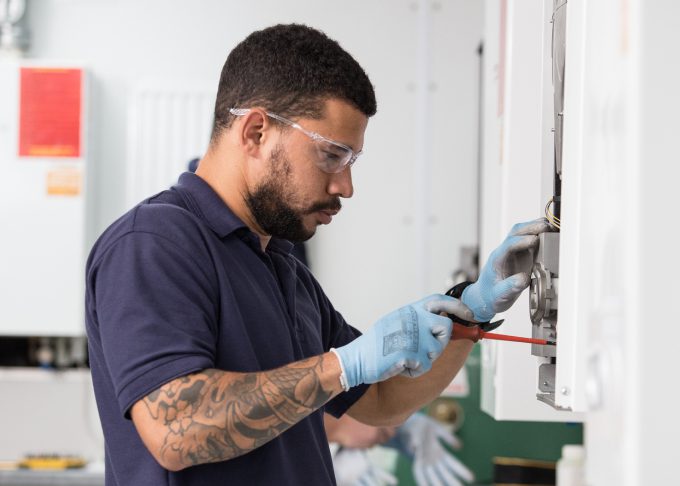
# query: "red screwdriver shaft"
[475,334]
[505,337]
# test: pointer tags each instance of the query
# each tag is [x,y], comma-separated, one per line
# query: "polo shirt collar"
[207,205]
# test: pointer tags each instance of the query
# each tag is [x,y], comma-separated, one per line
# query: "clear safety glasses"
[332,157]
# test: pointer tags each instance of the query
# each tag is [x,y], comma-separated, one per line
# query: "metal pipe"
[13,36]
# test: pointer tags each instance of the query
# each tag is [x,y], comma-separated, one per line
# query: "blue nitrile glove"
[405,342]
[419,439]
[506,273]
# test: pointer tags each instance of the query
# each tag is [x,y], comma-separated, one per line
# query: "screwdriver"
[475,334]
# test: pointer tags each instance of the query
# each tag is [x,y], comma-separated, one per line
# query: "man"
[214,353]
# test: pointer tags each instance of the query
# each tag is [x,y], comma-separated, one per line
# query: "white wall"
[415,202]
[398,238]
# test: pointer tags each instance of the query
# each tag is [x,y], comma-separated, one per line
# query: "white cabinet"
[42,199]
[517,182]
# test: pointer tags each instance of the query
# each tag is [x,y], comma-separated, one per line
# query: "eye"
[331,156]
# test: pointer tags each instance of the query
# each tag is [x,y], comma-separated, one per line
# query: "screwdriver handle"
[460,331]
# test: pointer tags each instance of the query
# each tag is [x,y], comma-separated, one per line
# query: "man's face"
[277,207]
[294,196]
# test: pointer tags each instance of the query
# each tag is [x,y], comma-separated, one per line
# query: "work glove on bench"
[420,439]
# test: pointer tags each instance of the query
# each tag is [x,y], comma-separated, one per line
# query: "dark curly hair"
[290,70]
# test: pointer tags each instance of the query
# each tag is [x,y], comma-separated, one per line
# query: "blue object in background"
[193,164]
[299,250]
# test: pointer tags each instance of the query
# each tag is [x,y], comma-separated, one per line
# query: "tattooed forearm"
[215,415]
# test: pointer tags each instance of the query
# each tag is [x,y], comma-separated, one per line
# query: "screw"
[565,391]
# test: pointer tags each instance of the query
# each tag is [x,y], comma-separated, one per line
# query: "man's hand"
[507,272]
[405,342]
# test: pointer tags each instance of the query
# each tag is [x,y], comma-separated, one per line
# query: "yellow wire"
[554,220]
[549,213]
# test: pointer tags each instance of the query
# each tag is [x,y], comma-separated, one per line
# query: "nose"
[340,183]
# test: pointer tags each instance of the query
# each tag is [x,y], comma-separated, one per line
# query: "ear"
[253,131]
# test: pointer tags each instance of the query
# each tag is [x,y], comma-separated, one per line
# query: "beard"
[271,206]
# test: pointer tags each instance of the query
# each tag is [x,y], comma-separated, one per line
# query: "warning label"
[50,112]
[64,182]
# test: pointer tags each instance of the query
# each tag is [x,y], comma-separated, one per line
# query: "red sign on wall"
[50,112]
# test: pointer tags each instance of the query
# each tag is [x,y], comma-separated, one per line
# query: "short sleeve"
[155,307]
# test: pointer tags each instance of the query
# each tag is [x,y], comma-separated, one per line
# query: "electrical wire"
[552,219]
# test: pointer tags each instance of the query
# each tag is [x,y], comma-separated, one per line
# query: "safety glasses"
[332,157]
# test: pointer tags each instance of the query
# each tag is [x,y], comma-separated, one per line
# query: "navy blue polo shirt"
[179,284]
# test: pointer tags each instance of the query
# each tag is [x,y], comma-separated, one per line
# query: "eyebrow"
[346,145]
[343,143]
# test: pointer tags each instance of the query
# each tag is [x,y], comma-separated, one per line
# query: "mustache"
[332,205]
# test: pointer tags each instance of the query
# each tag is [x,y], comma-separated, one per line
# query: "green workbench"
[484,438]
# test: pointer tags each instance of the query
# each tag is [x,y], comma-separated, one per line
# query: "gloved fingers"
[398,368]
[506,291]
[432,477]
[419,475]
[420,425]
[367,481]
[449,305]
[441,330]
[458,468]
[350,465]
[516,244]
[517,282]
[535,227]
[384,477]
[444,434]
[413,368]
[515,255]
[434,349]
[446,475]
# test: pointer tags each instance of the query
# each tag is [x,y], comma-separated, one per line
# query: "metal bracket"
[546,386]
